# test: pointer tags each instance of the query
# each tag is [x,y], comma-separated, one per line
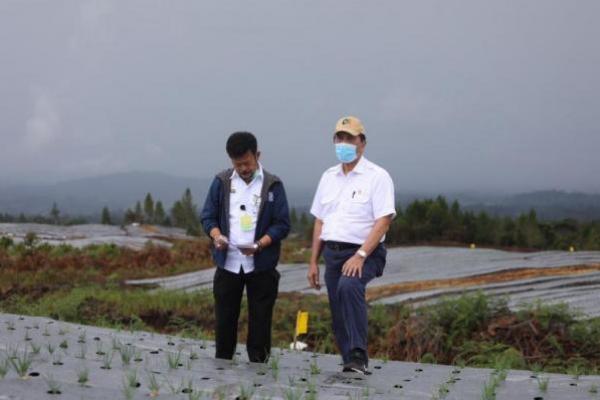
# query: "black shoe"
[358,362]
[356,366]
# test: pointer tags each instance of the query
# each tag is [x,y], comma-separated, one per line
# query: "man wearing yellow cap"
[353,209]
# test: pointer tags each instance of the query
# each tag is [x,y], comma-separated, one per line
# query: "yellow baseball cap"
[351,125]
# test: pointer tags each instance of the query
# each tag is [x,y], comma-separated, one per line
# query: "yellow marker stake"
[571,249]
[472,245]
[301,325]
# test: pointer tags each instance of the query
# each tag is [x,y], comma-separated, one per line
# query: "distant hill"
[87,196]
[548,204]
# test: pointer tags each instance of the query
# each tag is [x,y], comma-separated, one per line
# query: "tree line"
[427,221]
[435,221]
[183,214]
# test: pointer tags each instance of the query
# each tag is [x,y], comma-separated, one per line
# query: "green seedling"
[175,389]
[543,383]
[274,364]
[83,376]
[153,385]
[57,359]
[35,348]
[314,368]
[116,343]
[174,359]
[21,364]
[127,353]
[127,391]
[53,385]
[4,367]
[292,393]
[107,360]
[246,392]
[132,378]
[82,352]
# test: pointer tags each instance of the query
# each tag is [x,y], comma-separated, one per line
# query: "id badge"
[246,222]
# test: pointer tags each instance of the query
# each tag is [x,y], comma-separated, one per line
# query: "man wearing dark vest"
[246,215]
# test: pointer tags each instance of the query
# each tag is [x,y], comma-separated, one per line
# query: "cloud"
[153,150]
[43,127]
[95,25]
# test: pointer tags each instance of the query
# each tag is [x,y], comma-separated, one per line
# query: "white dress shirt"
[244,203]
[349,204]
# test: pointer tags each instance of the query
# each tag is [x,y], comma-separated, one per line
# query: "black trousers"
[261,289]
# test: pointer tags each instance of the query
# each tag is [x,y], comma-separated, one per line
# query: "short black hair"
[239,143]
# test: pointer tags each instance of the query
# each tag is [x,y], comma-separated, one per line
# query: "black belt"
[339,246]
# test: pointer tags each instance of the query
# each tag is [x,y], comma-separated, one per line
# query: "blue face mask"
[345,152]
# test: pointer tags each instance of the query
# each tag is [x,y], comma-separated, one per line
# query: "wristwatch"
[257,246]
[361,253]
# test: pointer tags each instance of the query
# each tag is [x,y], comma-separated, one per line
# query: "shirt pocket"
[359,203]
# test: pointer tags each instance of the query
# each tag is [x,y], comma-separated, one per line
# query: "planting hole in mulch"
[34,374]
[397,386]
[54,392]
[187,390]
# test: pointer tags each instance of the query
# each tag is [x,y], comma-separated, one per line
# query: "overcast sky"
[454,95]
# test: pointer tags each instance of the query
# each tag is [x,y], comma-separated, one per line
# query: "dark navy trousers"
[347,300]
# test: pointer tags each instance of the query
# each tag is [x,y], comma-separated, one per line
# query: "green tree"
[149,208]
[184,214]
[106,220]
[55,214]
[159,213]
[139,215]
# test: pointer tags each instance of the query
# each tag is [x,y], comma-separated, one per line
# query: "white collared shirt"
[349,204]
[242,229]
